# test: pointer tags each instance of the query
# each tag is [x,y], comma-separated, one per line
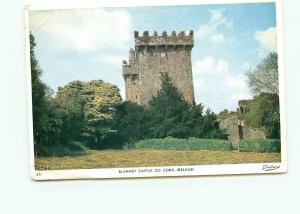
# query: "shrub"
[264,145]
[184,144]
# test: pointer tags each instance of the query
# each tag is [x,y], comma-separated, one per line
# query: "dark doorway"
[241,135]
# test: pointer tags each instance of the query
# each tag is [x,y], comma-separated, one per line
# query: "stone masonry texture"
[153,56]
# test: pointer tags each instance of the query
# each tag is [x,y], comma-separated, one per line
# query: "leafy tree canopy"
[173,116]
[263,112]
[132,121]
[88,107]
[264,78]
[39,92]
[169,111]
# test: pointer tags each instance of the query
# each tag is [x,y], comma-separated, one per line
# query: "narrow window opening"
[134,78]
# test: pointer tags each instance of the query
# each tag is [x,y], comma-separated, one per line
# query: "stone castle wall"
[153,56]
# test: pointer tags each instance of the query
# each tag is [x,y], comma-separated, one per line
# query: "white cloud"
[216,86]
[246,66]
[112,59]
[222,67]
[235,82]
[204,66]
[267,40]
[217,39]
[209,65]
[211,31]
[82,44]
[83,29]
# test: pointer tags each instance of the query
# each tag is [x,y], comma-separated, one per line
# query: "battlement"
[180,39]
[154,55]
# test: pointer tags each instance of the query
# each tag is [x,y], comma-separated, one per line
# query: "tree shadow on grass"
[70,149]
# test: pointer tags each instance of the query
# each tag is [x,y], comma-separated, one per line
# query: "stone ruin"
[237,129]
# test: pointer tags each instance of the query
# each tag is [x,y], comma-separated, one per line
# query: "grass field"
[139,158]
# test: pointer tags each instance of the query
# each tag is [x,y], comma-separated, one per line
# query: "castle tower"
[153,56]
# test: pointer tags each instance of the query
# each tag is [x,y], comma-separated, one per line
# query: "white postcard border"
[167,171]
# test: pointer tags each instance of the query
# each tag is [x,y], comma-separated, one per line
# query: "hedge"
[264,145]
[184,144]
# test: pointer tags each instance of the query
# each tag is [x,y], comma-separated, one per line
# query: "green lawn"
[141,157]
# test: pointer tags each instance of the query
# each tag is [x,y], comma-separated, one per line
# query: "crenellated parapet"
[154,55]
[180,39]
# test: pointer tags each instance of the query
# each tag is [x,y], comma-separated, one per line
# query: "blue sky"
[86,44]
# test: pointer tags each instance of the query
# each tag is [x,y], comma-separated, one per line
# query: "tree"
[101,100]
[264,78]
[263,112]
[86,111]
[39,92]
[172,116]
[79,111]
[132,122]
[69,110]
[203,125]
[169,111]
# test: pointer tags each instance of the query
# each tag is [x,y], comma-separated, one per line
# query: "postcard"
[155,90]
